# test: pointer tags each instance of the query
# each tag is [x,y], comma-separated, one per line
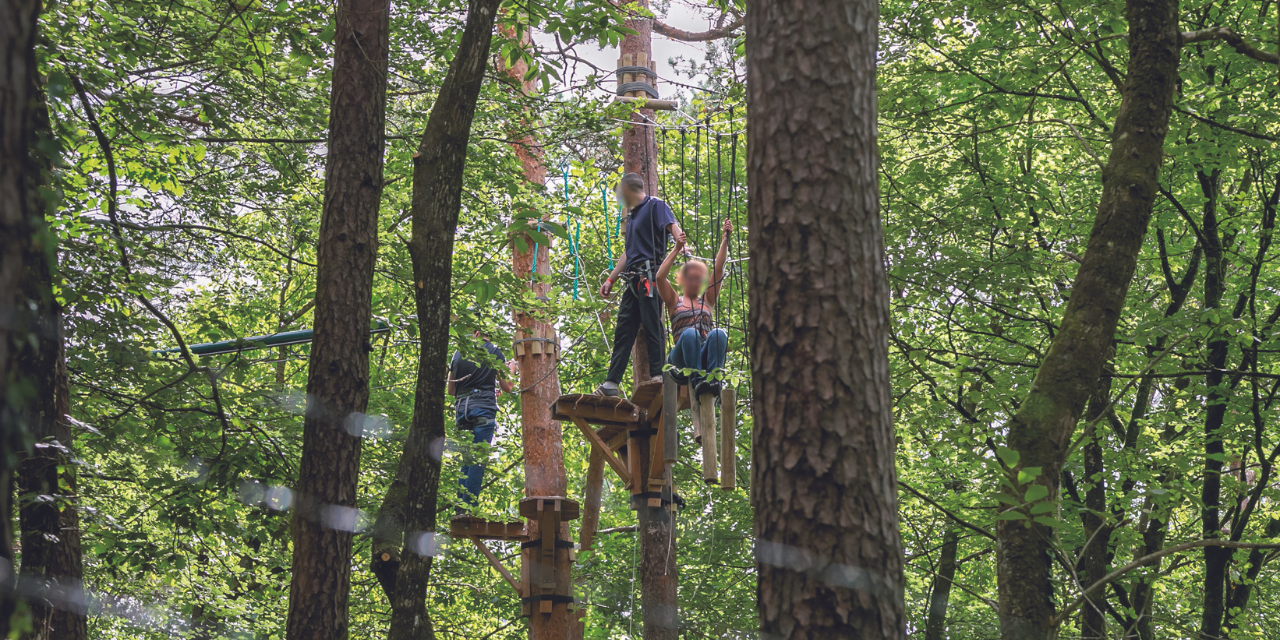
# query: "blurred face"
[693,277]
[628,197]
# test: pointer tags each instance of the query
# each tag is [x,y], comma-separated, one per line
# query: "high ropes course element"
[283,339]
[619,430]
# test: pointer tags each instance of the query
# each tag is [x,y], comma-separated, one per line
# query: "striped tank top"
[697,316]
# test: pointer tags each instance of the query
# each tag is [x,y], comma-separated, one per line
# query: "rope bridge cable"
[683,152]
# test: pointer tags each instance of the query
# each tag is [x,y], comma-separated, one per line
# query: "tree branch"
[960,521]
[702,36]
[1148,559]
[1232,38]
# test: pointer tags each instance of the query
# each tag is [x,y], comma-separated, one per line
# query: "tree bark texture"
[436,203]
[52,571]
[639,143]
[1216,559]
[828,551]
[338,370]
[935,627]
[543,441]
[1042,429]
[21,222]
[1094,558]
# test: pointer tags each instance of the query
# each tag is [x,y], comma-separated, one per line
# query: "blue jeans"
[481,422]
[692,351]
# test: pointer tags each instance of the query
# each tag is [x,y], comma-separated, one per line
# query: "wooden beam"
[670,418]
[598,444]
[728,438]
[497,564]
[649,103]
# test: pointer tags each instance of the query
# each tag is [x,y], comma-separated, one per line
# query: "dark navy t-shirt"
[476,381]
[647,231]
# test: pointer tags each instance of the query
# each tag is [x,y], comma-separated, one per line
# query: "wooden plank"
[646,392]
[657,467]
[591,501]
[486,530]
[497,564]
[706,412]
[548,527]
[670,418]
[604,450]
[728,438]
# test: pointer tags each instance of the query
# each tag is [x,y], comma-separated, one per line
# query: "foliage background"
[993,121]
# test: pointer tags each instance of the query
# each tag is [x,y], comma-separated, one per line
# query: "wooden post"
[591,502]
[705,412]
[670,418]
[728,438]
[539,385]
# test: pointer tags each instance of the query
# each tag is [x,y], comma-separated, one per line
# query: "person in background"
[649,222]
[698,346]
[475,388]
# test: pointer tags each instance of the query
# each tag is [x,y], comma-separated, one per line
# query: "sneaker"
[712,387]
[609,388]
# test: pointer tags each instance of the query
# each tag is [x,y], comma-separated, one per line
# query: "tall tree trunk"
[659,575]
[437,201]
[935,627]
[1216,559]
[828,551]
[52,570]
[1042,429]
[1094,558]
[539,383]
[23,234]
[338,371]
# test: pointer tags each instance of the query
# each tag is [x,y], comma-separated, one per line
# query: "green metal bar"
[284,339]
[608,231]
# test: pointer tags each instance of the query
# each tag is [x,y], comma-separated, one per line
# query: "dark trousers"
[637,311]
[480,421]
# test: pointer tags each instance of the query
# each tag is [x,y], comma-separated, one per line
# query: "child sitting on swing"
[698,346]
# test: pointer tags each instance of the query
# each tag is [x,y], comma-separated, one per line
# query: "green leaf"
[1036,492]
[1028,474]
[1008,456]
[1044,507]
[1012,514]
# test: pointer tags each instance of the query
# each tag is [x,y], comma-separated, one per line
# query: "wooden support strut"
[599,445]
[497,564]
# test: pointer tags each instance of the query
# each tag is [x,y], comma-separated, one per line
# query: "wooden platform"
[596,409]
[615,415]
[472,527]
